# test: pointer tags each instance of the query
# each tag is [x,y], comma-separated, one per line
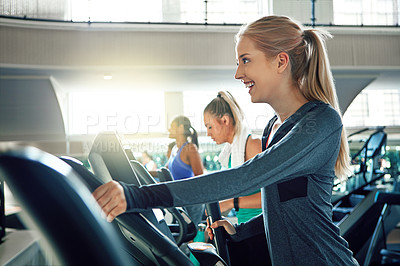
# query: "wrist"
[236,204]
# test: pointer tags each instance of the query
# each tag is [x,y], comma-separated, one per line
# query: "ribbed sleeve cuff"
[147,197]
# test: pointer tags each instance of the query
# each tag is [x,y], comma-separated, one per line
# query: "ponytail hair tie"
[307,35]
[219,95]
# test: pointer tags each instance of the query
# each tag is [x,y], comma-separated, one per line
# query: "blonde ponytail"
[318,85]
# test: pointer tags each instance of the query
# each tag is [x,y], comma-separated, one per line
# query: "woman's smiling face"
[256,72]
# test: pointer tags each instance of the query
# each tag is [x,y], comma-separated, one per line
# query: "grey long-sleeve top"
[295,174]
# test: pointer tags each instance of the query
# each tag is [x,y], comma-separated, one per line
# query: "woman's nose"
[239,72]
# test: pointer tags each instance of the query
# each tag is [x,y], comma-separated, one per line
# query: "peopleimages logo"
[136,126]
[137,147]
[132,123]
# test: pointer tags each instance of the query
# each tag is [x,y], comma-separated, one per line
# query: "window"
[357,111]
[366,12]
[156,11]
[345,12]
[116,10]
[233,11]
[125,112]
[374,108]
[391,107]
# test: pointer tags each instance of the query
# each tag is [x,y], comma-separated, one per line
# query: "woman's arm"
[253,147]
[310,146]
[247,202]
[253,227]
[194,159]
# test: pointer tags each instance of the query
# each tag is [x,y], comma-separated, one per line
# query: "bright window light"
[366,12]
[125,112]
[374,108]
[180,11]
[116,10]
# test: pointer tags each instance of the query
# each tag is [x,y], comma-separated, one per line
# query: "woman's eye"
[245,60]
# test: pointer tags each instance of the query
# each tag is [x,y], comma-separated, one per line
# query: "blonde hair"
[225,104]
[309,64]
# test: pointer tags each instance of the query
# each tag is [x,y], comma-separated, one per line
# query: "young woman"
[305,146]
[224,121]
[184,160]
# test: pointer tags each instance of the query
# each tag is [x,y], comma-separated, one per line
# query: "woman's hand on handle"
[225,223]
[111,198]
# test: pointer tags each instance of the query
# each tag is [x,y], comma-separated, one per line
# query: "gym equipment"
[164,175]
[188,232]
[355,210]
[62,209]
[357,221]
[378,251]
[373,149]
[366,159]
[214,214]
[2,212]
[141,232]
[206,254]
[129,225]
[183,229]
[110,162]
[108,159]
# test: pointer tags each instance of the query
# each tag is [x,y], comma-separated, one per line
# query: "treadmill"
[109,160]
[355,210]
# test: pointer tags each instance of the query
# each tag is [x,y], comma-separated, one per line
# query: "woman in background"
[225,123]
[185,161]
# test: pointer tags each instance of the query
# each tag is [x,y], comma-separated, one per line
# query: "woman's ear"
[181,129]
[225,119]
[283,61]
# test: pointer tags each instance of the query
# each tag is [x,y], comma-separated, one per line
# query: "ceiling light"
[107,77]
